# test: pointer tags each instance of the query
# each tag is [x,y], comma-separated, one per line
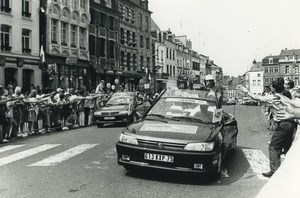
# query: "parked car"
[183,131]
[120,107]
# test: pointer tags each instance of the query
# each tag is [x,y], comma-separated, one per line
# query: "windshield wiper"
[190,119]
[162,116]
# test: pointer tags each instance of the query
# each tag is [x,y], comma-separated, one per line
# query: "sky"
[232,32]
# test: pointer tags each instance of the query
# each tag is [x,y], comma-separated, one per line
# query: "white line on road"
[258,161]
[60,157]
[10,147]
[23,154]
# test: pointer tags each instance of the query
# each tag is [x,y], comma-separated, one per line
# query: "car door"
[229,133]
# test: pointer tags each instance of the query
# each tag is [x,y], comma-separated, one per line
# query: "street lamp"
[155,65]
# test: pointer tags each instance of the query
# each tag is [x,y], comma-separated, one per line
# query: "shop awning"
[128,74]
[100,70]
[110,72]
[119,73]
[138,76]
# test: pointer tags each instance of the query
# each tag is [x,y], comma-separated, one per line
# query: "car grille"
[109,113]
[161,145]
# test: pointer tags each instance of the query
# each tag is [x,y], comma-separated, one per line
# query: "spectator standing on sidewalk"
[282,136]
[3,119]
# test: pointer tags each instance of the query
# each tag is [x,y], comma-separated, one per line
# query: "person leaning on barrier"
[282,136]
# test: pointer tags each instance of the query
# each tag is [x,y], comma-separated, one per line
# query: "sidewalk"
[285,183]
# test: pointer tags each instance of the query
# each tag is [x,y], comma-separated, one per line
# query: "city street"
[83,163]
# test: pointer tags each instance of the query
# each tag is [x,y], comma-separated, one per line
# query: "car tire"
[218,170]
[99,125]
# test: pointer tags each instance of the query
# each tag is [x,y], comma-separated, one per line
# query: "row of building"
[262,73]
[75,43]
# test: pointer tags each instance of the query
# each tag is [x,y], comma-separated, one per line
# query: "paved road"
[83,163]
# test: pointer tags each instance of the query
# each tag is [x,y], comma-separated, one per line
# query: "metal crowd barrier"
[40,117]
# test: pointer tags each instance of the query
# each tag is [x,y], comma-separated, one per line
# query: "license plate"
[158,157]
[109,118]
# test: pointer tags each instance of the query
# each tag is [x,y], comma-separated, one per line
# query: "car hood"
[114,108]
[183,132]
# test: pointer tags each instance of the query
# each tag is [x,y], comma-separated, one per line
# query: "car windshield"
[185,109]
[119,100]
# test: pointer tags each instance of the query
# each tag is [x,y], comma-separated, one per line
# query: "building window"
[82,38]
[162,55]
[26,41]
[270,60]
[75,4]
[101,47]
[64,33]
[147,43]
[5,38]
[54,24]
[122,36]
[286,69]
[141,41]
[122,59]
[258,75]
[258,82]
[111,23]
[167,53]
[266,70]
[167,68]
[4,6]
[296,69]
[92,45]
[133,39]
[142,62]
[111,49]
[271,70]
[147,24]
[140,21]
[134,61]
[174,72]
[74,36]
[254,82]
[173,54]
[65,2]
[128,37]
[83,5]
[276,69]
[26,8]
[102,20]
[170,53]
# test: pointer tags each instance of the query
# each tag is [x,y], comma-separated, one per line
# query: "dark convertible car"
[120,107]
[182,131]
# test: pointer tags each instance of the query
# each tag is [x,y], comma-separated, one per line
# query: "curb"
[284,182]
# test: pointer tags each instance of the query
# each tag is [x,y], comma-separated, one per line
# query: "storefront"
[67,73]
[20,71]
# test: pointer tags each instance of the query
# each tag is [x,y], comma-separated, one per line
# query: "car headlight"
[98,113]
[128,139]
[209,146]
[123,112]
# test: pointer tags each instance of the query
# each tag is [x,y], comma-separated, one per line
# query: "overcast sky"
[232,32]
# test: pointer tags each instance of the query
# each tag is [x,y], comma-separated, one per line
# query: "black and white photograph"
[149,98]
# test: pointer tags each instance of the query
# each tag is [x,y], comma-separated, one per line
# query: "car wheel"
[217,173]
[99,125]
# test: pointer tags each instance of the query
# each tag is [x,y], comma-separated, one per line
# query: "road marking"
[23,154]
[63,156]
[10,147]
[258,161]
[105,160]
